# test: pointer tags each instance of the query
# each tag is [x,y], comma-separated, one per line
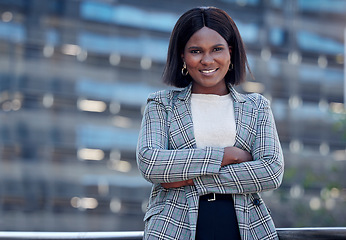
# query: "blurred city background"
[74,78]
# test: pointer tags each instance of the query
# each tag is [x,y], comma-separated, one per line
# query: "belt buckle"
[212,199]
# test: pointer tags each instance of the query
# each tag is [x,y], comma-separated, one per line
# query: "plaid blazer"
[166,152]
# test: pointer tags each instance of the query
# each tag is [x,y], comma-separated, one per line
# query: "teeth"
[208,71]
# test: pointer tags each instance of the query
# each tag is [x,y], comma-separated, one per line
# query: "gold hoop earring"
[230,67]
[184,70]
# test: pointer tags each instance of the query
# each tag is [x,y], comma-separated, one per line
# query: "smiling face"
[207,57]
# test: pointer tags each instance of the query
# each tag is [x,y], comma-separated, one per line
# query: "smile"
[208,71]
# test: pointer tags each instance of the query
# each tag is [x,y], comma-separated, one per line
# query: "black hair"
[189,23]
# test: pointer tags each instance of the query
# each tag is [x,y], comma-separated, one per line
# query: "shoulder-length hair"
[189,23]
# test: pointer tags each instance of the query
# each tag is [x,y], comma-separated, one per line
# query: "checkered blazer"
[166,152]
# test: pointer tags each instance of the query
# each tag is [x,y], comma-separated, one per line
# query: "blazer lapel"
[245,118]
[181,128]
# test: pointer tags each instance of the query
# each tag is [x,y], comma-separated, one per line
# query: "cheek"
[225,60]
[192,61]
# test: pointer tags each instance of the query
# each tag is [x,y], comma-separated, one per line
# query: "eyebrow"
[216,45]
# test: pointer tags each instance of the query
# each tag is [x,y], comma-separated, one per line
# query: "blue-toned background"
[74,78]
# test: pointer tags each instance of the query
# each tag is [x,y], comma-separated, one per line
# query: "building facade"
[74,78]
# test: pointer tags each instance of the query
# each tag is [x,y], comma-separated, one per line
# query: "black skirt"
[217,218]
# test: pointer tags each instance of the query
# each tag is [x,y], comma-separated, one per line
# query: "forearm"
[232,155]
[247,177]
[165,166]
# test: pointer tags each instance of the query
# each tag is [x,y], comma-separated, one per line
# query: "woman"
[207,149]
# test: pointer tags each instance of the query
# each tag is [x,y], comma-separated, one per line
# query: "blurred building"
[74,77]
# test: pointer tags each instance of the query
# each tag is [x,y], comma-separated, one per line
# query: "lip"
[208,71]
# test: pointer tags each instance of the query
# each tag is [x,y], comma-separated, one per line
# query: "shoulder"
[256,100]
[164,96]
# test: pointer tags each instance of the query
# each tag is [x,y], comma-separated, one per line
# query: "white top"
[213,120]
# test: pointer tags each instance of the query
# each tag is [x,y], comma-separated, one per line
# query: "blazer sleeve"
[157,163]
[266,170]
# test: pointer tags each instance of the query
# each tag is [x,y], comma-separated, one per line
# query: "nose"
[207,59]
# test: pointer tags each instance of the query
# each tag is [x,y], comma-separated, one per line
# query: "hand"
[177,184]
[233,155]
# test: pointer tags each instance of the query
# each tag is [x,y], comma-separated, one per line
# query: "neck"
[212,90]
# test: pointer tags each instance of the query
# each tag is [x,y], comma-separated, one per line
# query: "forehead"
[206,37]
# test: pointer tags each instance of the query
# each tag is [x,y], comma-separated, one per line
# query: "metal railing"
[17,235]
[328,233]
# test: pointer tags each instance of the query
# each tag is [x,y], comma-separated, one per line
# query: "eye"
[218,49]
[195,51]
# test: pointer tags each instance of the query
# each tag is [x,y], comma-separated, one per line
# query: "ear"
[182,57]
[230,50]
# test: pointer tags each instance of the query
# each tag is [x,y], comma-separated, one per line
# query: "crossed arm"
[232,155]
[211,169]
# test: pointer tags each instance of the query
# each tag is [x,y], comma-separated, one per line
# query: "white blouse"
[213,120]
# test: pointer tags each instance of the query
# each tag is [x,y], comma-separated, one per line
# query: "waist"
[215,196]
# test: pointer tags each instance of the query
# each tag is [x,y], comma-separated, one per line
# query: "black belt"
[215,196]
